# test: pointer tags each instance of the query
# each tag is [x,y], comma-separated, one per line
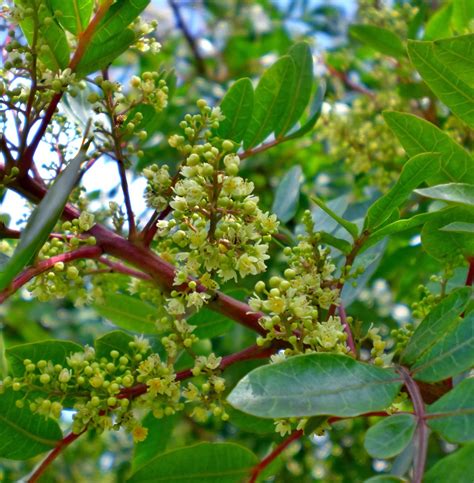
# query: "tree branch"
[421,448]
[61,446]
[45,265]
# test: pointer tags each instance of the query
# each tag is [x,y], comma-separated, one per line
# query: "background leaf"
[380,39]
[200,463]
[285,204]
[328,384]
[130,313]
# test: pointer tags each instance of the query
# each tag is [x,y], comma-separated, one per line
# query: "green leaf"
[350,227]
[285,204]
[461,193]
[457,467]
[436,324]
[459,227]
[271,97]
[159,434]
[395,227]
[55,54]
[42,220]
[454,92]
[419,136]
[450,356]
[22,433]
[237,107]
[457,53]
[380,39]
[463,14]
[328,384]
[390,436]
[299,97]
[200,463]
[416,170]
[452,416]
[438,26]
[49,350]
[75,14]
[130,313]
[447,245]
[101,55]
[115,340]
[112,36]
[313,116]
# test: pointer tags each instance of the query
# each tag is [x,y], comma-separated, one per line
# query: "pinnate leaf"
[328,384]
[75,14]
[452,416]
[299,97]
[390,436]
[457,467]
[452,355]
[457,54]
[237,107]
[461,193]
[419,136]
[271,97]
[436,324]
[416,170]
[24,434]
[453,91]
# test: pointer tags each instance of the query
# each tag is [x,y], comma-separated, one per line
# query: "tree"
[252,334]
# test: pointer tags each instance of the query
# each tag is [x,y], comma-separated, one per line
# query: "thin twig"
[274,454]
[121,268]
[61,446]
[45,265]
[347,329]
[199,61]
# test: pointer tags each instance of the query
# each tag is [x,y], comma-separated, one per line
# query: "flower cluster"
[216,226]
[293,303]
[62,279]
[98,384]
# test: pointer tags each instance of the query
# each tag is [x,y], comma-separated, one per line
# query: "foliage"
[294,301]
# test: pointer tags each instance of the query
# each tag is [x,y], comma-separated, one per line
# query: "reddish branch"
[274,454]
[348,82]
[421,434]
[45,265]
[60,447]
[347,329]
[470,273]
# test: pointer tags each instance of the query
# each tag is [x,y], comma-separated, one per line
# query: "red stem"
[470,273]
[120,268]
[274,454]
[421,434]
[61,446]
[45,265]
[249,353]
[347,329]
